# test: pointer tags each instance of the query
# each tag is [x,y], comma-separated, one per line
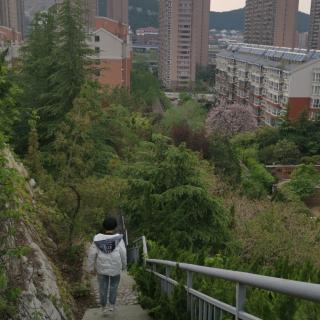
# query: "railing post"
[240,299]
[189,286]
[144,250]
[154,268]
[168,271]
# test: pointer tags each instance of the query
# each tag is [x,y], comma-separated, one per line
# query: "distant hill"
[143,13]
[235,20]
[230,20]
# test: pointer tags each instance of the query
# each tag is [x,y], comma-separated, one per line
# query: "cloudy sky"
[224,5]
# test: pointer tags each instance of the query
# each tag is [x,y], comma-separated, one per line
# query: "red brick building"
[113,52]
[9,35]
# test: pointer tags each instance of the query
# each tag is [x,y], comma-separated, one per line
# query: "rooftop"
[276,57]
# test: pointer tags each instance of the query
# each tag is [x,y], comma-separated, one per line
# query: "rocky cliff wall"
[43,293]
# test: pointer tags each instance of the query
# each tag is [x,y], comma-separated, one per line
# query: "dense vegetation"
[200,196]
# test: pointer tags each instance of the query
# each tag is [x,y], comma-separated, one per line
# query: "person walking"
[108,258]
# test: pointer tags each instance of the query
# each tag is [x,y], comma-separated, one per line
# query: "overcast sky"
[225,5]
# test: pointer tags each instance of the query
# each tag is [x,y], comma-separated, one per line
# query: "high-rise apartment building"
[273,81]
[314,26]
[12,15]
[271,22]
[113,9]
[184,34]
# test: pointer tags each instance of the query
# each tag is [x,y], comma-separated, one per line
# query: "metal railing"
[203,307]
[138,251]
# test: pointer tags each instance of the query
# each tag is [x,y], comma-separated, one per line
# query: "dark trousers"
[108,287]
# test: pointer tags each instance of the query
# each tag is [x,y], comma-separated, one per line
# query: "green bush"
[304,181]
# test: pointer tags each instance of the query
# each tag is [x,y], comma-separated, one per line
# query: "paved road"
[127,303]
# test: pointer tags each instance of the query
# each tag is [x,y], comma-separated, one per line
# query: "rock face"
[43,293]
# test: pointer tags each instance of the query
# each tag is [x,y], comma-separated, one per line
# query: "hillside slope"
[28,269]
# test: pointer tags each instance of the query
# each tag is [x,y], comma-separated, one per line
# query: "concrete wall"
[300,82]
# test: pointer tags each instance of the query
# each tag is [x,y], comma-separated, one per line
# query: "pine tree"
[72,55]
[56,63]
[73,146]
[38,64]
[38,60]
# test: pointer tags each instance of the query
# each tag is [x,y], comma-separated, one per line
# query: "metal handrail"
[303,290]
[202,306]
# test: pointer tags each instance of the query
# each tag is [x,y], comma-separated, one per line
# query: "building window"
[316,77]
[97,50]
[316,90]
[316,103]
[97,38]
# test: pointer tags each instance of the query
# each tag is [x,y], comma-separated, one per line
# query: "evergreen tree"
[72,57]
[71,154]
[56,63]
[39,62]
[167,195]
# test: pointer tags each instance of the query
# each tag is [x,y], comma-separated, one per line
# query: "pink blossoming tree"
[229,120]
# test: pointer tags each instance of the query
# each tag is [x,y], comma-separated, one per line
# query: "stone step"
[130,312]
[127,302]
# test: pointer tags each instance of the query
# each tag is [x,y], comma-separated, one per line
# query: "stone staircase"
[127,302]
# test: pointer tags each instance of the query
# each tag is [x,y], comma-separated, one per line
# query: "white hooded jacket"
[107,255]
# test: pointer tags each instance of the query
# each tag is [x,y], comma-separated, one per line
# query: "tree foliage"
[167,195]
[145,87]
[304,180]
[56,62]
[9,93]
[189,113]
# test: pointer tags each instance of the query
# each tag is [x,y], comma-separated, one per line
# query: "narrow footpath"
[127,302]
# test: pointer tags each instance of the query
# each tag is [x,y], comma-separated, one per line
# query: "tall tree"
[39,62]
[72,149]
[72,55]
[167,195]
[56,62]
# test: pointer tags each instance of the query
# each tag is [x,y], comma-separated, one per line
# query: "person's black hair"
[110,223]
